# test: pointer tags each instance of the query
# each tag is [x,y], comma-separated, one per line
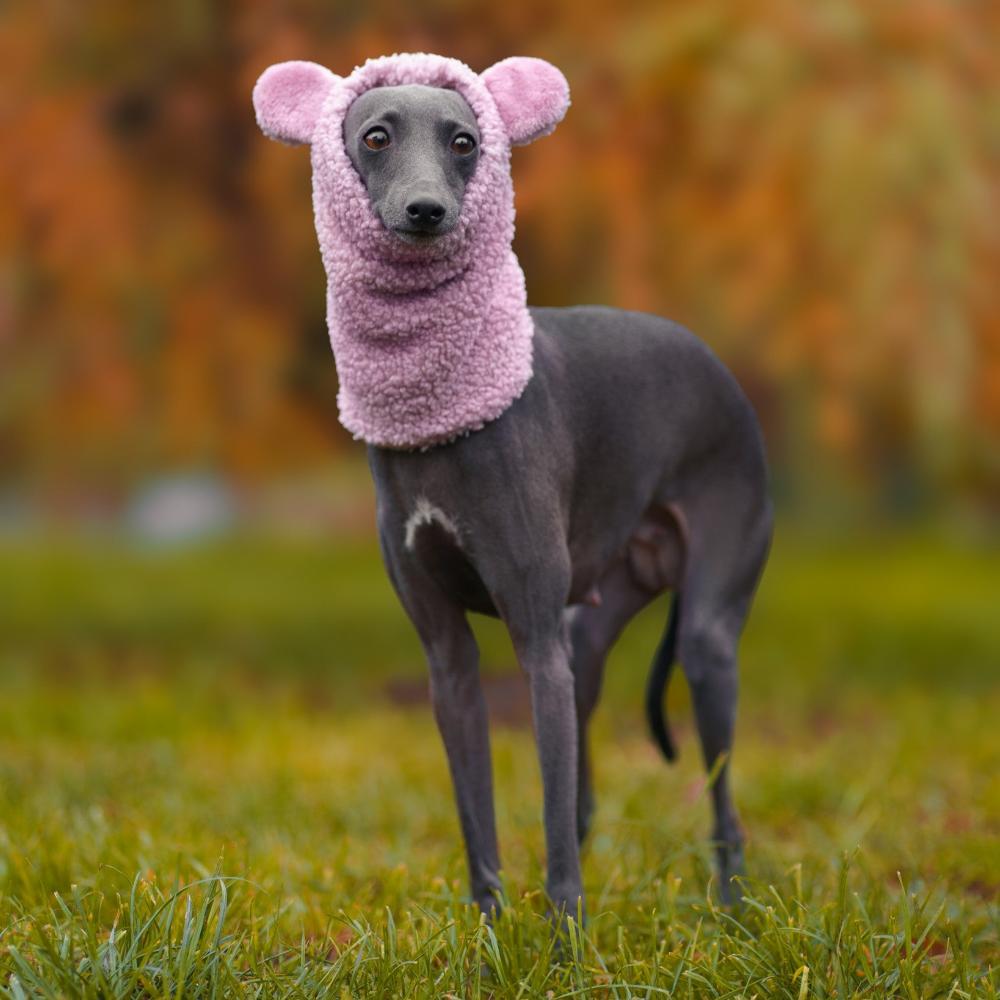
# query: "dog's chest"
[440,543]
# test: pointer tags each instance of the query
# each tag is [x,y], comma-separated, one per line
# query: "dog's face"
[411,152]
[415,148]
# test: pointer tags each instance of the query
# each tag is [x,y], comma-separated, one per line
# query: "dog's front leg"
[545,659]
[531,599]
[460,711]
[529,582]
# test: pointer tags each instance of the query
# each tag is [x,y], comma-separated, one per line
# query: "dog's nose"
[425,212]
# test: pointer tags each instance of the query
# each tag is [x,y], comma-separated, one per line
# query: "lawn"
[219,777]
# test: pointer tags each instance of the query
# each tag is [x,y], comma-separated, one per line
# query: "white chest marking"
[424,512]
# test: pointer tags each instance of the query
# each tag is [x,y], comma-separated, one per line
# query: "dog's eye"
[376,138]
[463,144]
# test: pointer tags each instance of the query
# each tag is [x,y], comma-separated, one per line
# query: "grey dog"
[631,465]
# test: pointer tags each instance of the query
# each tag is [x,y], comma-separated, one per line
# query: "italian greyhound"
[631,464]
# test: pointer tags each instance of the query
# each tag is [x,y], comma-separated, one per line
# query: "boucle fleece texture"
[430,341]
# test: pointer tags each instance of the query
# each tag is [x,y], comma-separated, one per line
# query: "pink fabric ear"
[531,95]
[288,99]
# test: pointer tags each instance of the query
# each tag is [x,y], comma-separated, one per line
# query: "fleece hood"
[431,341]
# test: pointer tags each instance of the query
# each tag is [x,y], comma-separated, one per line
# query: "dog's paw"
[730,863]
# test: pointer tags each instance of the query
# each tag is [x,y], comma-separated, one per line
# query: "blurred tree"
[811,187]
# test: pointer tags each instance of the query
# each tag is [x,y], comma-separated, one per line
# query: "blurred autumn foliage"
[812,187]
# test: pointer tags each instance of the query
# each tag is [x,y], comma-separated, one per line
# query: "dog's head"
[410,152]
[415,148]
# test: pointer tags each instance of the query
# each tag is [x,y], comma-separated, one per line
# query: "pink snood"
[431,342]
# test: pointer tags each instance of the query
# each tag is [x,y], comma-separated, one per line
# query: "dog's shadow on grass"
[506,690]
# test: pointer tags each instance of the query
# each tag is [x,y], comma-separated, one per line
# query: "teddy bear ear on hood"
[288,100]
[531,95]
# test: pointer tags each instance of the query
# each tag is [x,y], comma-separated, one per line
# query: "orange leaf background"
[812,187]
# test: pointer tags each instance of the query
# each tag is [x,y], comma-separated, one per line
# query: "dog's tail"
[659,674]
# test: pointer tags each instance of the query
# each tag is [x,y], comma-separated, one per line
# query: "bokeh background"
[811,187]
[200,656]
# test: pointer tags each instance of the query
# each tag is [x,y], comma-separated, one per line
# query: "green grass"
[206,791]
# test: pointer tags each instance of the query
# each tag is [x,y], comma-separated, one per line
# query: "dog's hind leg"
[727,547]
[650,564]
[593,630]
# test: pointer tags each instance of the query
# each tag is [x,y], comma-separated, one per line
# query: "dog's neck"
[430,342]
